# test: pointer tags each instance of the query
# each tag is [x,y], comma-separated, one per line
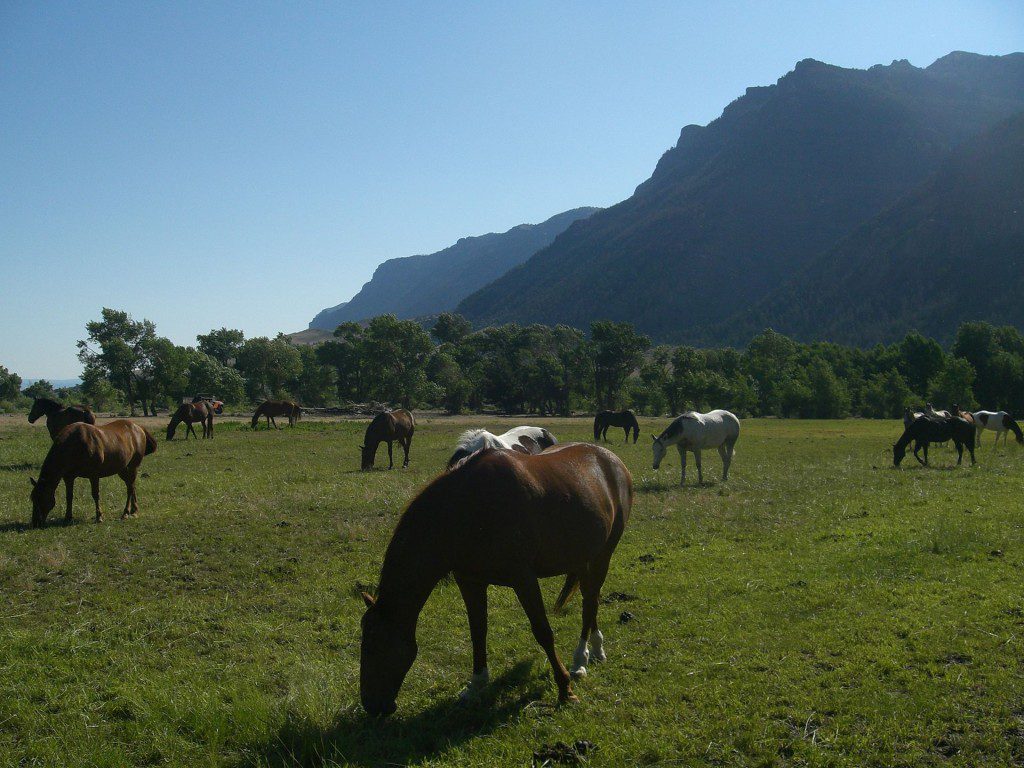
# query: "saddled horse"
[522,439]
[931,410]
[625,419]
[696,431]
[59,416]
[929,429]
[387,427]
[85,450]
[999,422]
[200,412]
[272,408]
[504,518]
[912,414]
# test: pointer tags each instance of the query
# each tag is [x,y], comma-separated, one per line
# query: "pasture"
[820,608]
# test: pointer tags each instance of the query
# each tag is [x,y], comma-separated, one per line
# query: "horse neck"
[48,406]
[905,438]
[416,560]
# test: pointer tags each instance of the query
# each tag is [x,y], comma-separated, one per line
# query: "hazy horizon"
[206,166]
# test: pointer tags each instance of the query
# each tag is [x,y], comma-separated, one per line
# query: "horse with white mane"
[999,422]
[521,439]
[695,431]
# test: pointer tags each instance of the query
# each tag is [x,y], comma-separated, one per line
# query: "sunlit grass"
[820,608]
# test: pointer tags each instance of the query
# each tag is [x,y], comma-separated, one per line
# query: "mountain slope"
[428,284]
[738,207]
[952,250]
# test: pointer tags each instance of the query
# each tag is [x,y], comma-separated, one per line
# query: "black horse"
[625,419]
[930,429]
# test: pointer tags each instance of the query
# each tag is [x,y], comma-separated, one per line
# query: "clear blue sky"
[245,165]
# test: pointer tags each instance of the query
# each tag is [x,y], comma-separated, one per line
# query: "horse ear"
[369,599]
[32,480]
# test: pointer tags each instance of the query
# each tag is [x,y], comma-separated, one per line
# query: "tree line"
[538,369]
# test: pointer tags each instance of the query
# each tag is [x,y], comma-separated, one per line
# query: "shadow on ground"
[358,739]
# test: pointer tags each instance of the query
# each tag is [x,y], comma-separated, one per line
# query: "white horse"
[522,439]
[999,422]
[696,431]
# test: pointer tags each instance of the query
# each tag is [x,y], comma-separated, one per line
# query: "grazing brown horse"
[59,416]
[200,411]
[625,419]
[272,408]
[386,428]
[505,518]
[85,450]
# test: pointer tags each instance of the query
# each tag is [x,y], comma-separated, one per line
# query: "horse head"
[43,501]
[658,447]
[387,651]
[367,457]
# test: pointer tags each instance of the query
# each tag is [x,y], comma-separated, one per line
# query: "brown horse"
[191,413]
[388,427]
[272,408]
[505,518]
[625,419]
[85,450]
[59,416]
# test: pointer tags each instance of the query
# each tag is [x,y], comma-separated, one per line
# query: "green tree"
[886,395]
[395,355]
[921,359]
[41,388]
[451,328]
[268,365]
[618,351]
[208,375]
[10,384]
[953,384]
[116,347]
[769,362]
[829,396]
[315,383]
[222,345]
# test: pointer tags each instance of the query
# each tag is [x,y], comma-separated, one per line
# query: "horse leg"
[726,454]
[926,445]
[626,431]
[682,463]
[700,473]
[406,446]
[131,505]
[474,595]
[959,452]
[591,581]
[95,483]
[69,495]
[528,591]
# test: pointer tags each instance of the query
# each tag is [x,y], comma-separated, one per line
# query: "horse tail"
[572,583]
[597,427]
[150,443]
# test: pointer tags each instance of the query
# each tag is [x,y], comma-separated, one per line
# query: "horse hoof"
[598,656]
[572,698]
[579,672]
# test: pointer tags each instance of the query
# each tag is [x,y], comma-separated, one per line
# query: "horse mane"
[49,402]
[468,437]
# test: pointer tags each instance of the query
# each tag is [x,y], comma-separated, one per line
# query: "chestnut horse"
[200,411]
[625,419]
[505,518]
[59,416]
[272,408]
[85,450]
[386,428]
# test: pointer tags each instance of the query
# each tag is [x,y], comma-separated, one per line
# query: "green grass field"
[818,609]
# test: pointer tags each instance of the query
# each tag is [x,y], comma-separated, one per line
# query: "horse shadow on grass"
[662,486]
[358,739]
[16,526]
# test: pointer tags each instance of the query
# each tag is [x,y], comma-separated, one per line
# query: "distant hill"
[738,208]
[429,284]
[951,251]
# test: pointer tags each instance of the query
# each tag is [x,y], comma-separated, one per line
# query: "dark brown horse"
[200,412]
[272,408]
[625,419]
[59,416]
[386,428]
[505,518]
[85,450]
[931,429]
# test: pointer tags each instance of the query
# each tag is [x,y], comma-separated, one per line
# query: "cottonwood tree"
[116,348]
